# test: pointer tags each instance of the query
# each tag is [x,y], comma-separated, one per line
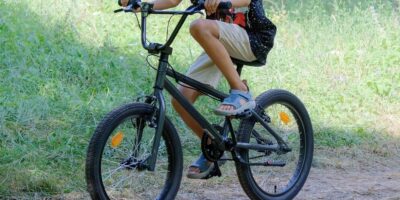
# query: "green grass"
[64,64]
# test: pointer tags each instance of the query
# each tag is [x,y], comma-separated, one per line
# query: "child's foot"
[201,168]
[237,102]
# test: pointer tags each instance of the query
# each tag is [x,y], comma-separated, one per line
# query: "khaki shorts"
[236,42]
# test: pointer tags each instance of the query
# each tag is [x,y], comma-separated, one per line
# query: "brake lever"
[199,12]
[118,10]
[196,9]
[125,9]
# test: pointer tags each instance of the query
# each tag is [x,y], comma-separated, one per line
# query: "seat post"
[239,68]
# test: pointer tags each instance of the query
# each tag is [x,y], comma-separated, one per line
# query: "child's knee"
[197,26]
[201,27]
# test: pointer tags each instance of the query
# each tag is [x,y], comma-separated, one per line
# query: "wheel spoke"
[123,155]
[290,121]
[111,172]
[111,161]
[121,181]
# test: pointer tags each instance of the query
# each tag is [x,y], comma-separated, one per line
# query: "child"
[220,40]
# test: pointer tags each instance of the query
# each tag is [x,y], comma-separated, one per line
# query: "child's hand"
[124,3]
[211,6]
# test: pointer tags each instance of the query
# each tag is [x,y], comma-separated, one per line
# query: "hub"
[133,163]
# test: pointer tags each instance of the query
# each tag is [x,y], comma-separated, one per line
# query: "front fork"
[159,97]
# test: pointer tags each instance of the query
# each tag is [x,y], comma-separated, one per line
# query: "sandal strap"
[201,163]
[234,98]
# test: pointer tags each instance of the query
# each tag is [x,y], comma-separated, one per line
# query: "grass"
[63,65]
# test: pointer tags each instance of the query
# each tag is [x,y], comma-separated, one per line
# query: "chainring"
[210,151]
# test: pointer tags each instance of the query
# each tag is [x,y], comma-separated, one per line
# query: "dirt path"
[341,184]
[341,174]
[321,184]
[342,177]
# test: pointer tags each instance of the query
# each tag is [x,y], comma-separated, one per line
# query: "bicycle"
[135,151]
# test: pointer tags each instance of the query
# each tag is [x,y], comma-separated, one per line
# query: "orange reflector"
[117,139]
[284,117]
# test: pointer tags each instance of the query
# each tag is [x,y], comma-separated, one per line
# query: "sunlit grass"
[64,64]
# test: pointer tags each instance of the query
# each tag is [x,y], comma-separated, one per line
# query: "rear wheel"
[287,116]
[116,163]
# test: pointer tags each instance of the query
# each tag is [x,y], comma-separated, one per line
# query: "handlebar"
[147,8]
[197,5]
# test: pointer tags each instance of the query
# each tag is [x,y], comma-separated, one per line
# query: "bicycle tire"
[95,183]
[249,180]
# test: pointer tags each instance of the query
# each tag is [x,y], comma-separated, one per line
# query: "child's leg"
[191,95]
[207,34]
[204,71]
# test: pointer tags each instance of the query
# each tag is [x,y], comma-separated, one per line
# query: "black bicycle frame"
[162,82]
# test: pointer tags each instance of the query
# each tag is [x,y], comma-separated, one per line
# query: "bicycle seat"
[255,63]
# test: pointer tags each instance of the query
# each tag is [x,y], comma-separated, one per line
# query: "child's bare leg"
[206,33]
[191,95]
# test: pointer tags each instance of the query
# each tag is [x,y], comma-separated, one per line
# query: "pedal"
[244,115]
[214,172]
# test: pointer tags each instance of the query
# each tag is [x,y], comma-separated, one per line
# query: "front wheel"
[287,116]
[118,153]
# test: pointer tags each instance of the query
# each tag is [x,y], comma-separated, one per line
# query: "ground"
[336,174]
[366,184]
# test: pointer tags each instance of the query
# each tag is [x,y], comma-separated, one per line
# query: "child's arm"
[158,4]
[165,4]
[212,5]
[240,3]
